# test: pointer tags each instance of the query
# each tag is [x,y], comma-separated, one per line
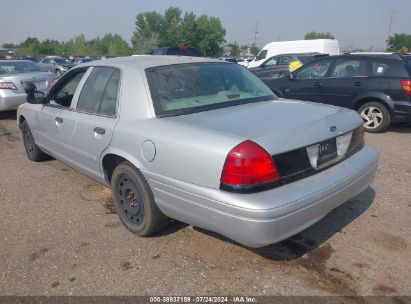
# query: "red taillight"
[53,82]
[7,86]
[248,164]
[406,86]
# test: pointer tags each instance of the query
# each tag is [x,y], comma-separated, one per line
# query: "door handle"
[317,85]
[59,119]
[100,131]
[357,84]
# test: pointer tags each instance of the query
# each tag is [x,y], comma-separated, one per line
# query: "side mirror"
[33,96]
[29,87]
[36,98]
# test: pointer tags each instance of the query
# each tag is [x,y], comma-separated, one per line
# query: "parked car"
[176,137]
[82,60]
[181,50]
[279,65]
[56,64]
[244,62]
[378,87]
[228,59]
[14,74]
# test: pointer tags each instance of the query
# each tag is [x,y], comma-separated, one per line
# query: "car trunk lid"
[279,125]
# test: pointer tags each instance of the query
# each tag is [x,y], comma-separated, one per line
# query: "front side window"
[188,88]
[345,68]
[314,70]
[261,55]
[271,61]
[99,93]
[284,60]
[65,89]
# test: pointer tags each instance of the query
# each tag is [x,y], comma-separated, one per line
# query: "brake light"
[248,164]
[7,86]
[53,81]
[406,86]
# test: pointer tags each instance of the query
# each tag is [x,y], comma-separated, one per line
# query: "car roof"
[364,56]
[149,61]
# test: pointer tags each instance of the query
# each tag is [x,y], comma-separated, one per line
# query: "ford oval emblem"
[332,128]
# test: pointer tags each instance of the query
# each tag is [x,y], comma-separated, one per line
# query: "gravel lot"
[59,236]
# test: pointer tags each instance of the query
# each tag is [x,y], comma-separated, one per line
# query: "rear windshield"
[17,67]
[195,87]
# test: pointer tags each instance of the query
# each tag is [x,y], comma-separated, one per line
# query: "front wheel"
[32,150]
[376,117]
[134,201]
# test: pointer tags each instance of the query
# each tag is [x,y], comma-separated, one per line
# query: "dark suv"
[378,87]
[279,65]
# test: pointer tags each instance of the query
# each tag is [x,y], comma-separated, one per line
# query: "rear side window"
[345,68]
[388,69]
[99,94]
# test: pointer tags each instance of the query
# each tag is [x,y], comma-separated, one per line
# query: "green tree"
[148,29]
[399,43]
[234,49]
[171,29]
[9,45]
[30,46]
[115,45]
[254,50]
[315,35]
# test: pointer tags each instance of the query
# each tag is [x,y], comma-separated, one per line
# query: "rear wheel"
[134,201]
[376,117]
[32,150]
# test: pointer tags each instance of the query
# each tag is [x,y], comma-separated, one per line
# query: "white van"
[325,46]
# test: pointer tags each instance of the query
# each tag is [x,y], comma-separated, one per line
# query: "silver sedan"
[200,141]
[13,76]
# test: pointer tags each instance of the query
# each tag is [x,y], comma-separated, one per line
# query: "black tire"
[33,151]
[134,201]
[376,117]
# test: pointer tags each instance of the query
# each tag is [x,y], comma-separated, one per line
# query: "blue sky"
[355,23]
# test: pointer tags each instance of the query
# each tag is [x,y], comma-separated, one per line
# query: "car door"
[89,125]
[264,70]
[347,79]
[50,118]
[306,83]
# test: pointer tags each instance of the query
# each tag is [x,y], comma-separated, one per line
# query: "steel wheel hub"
[131,201]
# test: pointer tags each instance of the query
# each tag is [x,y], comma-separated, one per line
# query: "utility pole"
[389,27]
[255,33]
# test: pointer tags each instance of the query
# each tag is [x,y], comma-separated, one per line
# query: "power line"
[390,26]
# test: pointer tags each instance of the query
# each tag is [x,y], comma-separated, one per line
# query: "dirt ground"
[59,235]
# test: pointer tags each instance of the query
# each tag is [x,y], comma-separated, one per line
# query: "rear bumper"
[10,100]
[267,217]
[402,111]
